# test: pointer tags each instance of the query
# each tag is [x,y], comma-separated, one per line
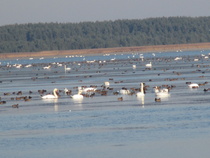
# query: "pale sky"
[64,11]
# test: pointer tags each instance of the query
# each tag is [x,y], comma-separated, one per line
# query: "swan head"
[80,92]
[56,90]
[66,90]
[142,84]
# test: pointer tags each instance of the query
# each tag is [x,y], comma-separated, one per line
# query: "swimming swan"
[86,90]
[149,65]
[140,94]
[193,85]
[125,91]
[163,93]
[77,96]
[106,84]
[51,96]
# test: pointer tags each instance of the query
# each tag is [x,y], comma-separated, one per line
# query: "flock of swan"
[140,91]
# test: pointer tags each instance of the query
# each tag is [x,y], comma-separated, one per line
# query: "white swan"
[77,96]
[106,84]
[47,67]
[29,65]
[140,94]
[163,93]
[66,68]
[149,65]
[125,91]
[193,85]
[87,90]
[156,89]
[51,96]
[18,66]
[178,58]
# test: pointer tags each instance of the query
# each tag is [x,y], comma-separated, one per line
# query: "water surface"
[102,126]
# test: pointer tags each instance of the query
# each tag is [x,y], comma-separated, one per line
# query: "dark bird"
[157,99]
[15,105]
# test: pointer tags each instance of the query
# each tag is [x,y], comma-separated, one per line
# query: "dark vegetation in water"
[106,34]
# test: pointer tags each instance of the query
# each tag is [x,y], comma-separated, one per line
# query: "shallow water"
[102,126]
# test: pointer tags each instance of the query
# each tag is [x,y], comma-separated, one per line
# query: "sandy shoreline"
[142,49]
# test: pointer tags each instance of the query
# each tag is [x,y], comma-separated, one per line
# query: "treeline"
[106,34]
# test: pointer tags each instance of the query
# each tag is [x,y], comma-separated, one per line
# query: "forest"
[34,37]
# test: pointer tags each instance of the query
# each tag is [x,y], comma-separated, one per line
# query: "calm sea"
[103,126]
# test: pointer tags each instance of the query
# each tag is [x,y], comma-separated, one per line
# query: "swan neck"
[55,94]
[142,87]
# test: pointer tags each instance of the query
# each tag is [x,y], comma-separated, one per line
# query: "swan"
[193,85]
[178,58]
[29,65]
[66,68]
[149,65]
[156,89]
[47,67]
[106,84]
[77,96]
[139,94]
[87,90]
[51,96]
[18,66]
[163,93]
[125,91]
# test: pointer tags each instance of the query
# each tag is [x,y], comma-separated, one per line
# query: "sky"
[74,11]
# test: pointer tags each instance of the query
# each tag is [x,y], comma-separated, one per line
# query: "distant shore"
[142,49]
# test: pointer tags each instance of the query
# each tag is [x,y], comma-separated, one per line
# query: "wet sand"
[142,49]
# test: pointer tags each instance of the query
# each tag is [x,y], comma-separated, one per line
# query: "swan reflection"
[53,101]
[56,107]
[78,101]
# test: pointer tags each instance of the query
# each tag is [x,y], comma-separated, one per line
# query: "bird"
[47,67]
[141,93]
[163,93]
[51,96]
[157,99]
[67,91]
[149,65]
[15,105]
[3,102]
[120,99]
[66,68]
[156,89]
[125,91]
[193,85]
[77,96]
[87,89]
[106,84]
[206,89]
